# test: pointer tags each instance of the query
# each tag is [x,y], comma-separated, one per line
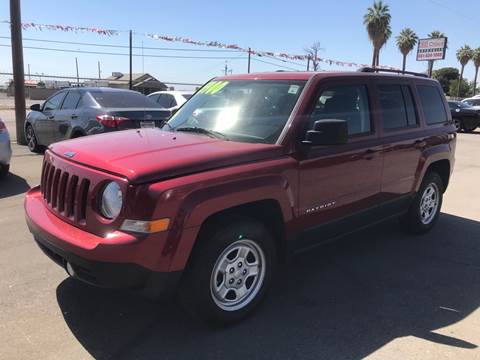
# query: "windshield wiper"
[199,130]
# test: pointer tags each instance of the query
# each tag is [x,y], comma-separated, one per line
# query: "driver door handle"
[50,117]
[74,116]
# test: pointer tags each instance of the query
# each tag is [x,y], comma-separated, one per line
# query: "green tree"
[476,63]
[406,41]
[435,35]
[377,22]
[444,76]
[460,89]
[464,55]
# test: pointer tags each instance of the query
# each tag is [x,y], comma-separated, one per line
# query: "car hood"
[146,155]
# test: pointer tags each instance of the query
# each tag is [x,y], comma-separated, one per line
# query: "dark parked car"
[75,112]
[466,117]
[252,169]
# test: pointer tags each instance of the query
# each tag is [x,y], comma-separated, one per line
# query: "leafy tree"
[377,22]
[406,41]
[460,89]
[434,35]
[464,55]
[476,63]
[444,76]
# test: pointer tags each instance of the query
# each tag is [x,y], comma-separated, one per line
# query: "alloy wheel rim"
[457,125]
[429,203]
[238,275]
[31,138]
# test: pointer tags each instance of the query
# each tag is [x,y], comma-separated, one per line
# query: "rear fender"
[429,156]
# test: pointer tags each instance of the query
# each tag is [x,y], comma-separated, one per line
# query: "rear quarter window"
[432,104]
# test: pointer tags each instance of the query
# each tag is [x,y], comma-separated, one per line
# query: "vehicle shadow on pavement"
[343,300]
[12,185]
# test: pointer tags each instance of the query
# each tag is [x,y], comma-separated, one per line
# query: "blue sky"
[264,25]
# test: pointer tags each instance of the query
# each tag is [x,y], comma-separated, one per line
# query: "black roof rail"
[399,72]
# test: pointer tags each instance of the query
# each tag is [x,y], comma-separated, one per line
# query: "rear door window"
[397,106]
[432,104]
[344,102]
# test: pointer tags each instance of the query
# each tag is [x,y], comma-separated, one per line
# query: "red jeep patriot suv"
[250,170]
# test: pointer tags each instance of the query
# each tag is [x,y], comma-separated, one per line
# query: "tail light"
[111,121]
[3,128]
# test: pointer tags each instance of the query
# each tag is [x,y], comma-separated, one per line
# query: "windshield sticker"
[213,87]
[293,89]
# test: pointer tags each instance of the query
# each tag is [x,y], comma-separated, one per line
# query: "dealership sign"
[431,49]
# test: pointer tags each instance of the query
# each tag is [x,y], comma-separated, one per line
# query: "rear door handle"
[74,116]
[50,117]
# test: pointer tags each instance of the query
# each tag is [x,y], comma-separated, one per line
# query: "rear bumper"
[115,262]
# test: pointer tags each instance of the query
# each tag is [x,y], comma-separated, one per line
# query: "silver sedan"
[5,150]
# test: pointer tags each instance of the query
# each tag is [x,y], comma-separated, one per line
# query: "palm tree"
[377,21]
[476,62]
[464,55]
[406,41]
[433,35]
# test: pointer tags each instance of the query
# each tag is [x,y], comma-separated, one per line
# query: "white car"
[473,101]
[5,150]
[170,100]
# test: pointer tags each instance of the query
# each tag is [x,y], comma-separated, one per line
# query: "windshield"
[122,99]
[241,110]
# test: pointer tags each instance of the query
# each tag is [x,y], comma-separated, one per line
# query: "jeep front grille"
[64,193]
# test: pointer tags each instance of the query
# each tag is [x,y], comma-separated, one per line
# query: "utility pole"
[78,79]
[99,71]
[226,68]
[130,84]
[249,54]
[18,72]
[29,78]
[308,63]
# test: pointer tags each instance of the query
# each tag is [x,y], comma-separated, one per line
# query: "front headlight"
[112,200]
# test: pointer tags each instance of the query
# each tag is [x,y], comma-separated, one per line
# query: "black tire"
[469,129]
[4,169]
[196,291]
[419,220]
[31,140]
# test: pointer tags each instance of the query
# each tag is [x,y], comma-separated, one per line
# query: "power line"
[285,61]
[91,78]
[123,46]
[125,54]
[277,65]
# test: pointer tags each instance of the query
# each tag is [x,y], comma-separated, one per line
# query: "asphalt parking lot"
[380,293]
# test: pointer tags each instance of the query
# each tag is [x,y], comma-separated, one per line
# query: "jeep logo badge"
[69,154]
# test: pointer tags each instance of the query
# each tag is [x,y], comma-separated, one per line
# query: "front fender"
[189,201]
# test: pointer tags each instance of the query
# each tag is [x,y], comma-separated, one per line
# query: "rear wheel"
[32,140]
[425,208]
[469,128]
[230,271]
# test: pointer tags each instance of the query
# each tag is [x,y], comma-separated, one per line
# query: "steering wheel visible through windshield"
[239,110]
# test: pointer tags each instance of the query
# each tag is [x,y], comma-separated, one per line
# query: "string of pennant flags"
[187,40]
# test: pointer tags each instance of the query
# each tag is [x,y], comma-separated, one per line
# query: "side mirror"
[327,132]
[36,107]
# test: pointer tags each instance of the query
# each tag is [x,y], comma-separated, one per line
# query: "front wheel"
[425,208]
[458,124]
[230,271]
[32,140]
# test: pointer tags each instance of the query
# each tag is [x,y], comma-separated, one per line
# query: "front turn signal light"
[145,227]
